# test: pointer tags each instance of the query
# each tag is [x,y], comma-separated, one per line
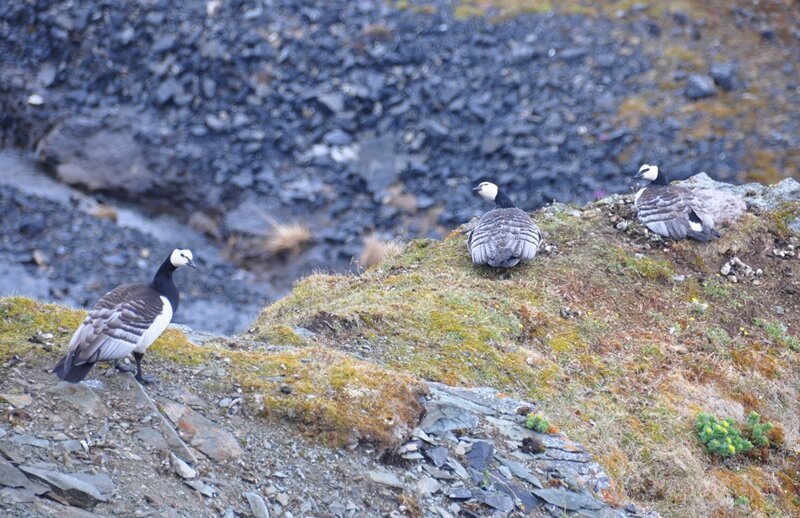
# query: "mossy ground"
[330,394]
[628,369]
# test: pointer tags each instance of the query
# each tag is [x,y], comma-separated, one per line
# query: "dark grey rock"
[85,152]
[565,499]
[724,75]
[494,499]
[30,441]
[77,492]
[11,476]
[700,86]
[332,101]
[480,455]
[460,493]
[379,165]
[438,455]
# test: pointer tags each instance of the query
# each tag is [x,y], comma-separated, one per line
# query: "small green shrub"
[721,437]
[741,500]
[537,423]
[759,432]
[718,336]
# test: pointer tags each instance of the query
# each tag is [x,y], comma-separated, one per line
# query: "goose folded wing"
[665,213]
[526,236]
[116,325]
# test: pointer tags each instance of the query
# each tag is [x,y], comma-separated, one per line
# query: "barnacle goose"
[125,320]
[505,235]
[671,211]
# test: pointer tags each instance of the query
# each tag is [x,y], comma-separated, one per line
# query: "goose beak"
[638,175]
[191,264]
[476,189]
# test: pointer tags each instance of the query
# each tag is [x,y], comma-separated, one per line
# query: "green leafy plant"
[759,432]
[721,438]
[741,500]
[537,423]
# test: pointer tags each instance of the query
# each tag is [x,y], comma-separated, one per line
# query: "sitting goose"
[127,319]
[505,235]
[671,211]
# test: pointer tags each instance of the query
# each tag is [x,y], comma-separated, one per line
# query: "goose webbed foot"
[144,379]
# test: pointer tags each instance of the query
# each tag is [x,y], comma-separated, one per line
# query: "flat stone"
[428,486]
[17,400]
[519,470]
[11,476]
[152,439]
[202,433]
[385,477]
[30,441]
[80,397]
[257,505]
[480,455]
[75,491]
[13,496]
[87,152]
[494,499]
[438,455]
[566,499]
[460,493]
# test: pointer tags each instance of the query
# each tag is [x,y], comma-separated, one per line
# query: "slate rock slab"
[566,499]
[74,490]
[202,433]
[480,455]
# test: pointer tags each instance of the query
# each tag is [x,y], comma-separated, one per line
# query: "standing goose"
[505,235]
[671,211]
[127,319]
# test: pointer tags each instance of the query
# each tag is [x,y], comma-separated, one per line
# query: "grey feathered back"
[116,324]
[503,238]
[669,210]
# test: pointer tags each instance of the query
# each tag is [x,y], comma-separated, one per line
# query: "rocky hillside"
[411,389]
[377,116]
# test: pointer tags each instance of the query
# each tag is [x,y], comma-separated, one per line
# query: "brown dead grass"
[376,251]
[287,239]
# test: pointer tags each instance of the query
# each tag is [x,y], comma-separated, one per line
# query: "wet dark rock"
[699,87]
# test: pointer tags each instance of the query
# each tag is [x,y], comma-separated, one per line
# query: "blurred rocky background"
[278,137]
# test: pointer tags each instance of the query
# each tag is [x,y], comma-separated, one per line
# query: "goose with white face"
[648,172]
[487,190]
[182,257]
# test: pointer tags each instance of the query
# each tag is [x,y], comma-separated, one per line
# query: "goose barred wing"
[502,235]
[666,211]
[116,325]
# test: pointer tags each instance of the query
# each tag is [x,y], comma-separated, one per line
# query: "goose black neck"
[164,285]
[661,179]
[502,201]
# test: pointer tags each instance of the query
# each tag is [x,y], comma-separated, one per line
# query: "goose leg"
[142,378]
